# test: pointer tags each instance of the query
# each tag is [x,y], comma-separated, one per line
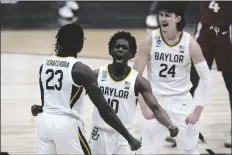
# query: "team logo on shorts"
[158,41]
[104,76]
[127,85]
[95,134]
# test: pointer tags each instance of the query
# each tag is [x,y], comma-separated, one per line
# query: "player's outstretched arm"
[143,87]
[142,55]
[202,92]
[83,75]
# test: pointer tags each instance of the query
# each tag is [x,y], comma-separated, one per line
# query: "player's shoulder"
[83,73]
[103,68]
[134,72]
[155,32]
[185,33]
[79,67]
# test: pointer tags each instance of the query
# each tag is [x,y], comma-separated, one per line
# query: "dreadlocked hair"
[124,35]
[69,40]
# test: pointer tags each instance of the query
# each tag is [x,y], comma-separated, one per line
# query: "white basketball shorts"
[178,108]
[60,134]
[108,142]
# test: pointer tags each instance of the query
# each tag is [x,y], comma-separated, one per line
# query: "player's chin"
[118,61]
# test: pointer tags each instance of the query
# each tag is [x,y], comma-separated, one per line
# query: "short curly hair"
[124,35]
[69,40]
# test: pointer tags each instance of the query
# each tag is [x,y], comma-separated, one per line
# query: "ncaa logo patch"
[104,76]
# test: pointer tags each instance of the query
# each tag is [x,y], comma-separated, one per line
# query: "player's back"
[218,13]
[168,66]
[120,96]
[60,94]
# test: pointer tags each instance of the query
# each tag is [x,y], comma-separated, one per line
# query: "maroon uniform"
[213,33]
[216,13]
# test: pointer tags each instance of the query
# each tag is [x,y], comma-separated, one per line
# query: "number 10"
[114,104]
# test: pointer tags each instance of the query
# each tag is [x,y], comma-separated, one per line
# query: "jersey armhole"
[136,76]
[75,83]
[71,78]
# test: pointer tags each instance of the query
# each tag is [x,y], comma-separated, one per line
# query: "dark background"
[40,15]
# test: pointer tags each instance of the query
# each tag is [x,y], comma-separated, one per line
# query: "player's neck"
[119,70]
[60,55]
[171,36]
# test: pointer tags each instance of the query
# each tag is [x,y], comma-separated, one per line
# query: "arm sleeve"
[202,93]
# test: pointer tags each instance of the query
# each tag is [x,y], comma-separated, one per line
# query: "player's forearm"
[198,109]
[159,113]
[161,116]
[142,103]
[109,116]
[106,112]
[202,92]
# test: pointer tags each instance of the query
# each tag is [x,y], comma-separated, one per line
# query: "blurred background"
[27,25]
[28,31]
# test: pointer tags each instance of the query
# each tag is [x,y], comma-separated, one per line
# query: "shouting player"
[121,85]
[62,79]
[168,52]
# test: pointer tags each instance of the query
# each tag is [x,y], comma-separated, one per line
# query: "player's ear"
[178,19]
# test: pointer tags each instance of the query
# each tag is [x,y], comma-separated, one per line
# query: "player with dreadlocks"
[121,86]
[62,79]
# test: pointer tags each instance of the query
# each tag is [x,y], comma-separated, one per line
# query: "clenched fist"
[173,131]
[36,109]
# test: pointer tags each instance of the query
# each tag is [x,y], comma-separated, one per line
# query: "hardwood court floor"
[20,90]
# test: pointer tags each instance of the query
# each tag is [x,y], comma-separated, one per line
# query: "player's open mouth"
[164,24]
[119,58]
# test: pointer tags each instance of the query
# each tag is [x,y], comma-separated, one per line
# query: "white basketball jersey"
[61,94]
[120,95]
[168,67]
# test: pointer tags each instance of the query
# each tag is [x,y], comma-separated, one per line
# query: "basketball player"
[214,36]
[62,79]
[168,52]
[121,85]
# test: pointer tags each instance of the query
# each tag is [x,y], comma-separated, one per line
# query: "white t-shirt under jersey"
[120,95]
[168,67]
[61,94]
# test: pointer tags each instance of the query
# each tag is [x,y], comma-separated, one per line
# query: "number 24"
[171,70]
